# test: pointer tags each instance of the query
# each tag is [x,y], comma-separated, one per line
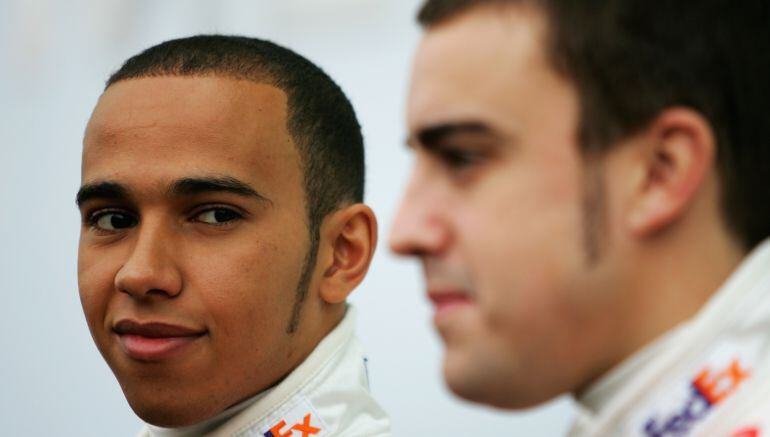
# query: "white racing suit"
[326,395]
[710,377]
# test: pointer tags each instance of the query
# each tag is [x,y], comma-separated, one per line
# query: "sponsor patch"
[300,421]
[707,389]
[305,429]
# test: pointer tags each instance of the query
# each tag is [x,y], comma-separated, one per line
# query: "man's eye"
[457,158]
[113,221]
[218,216]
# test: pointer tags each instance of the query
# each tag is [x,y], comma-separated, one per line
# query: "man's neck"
[666,280]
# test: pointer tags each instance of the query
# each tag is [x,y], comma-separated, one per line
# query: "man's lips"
[446,301]
[154,329]
[154,341]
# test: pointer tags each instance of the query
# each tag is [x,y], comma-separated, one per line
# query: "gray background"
[54,58]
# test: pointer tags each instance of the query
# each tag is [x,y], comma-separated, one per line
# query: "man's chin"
[168,413]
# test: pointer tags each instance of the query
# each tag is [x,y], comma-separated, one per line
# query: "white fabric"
[326,395]
[709,377]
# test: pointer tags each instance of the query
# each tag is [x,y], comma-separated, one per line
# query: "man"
[588,175]
[222,231]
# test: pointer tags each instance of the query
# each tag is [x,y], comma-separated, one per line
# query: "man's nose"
[150,269]
[420,228]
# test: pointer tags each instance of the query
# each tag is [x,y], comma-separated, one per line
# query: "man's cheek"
[95,284]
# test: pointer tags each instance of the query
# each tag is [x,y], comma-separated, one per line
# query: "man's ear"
[349,236]
[677,158]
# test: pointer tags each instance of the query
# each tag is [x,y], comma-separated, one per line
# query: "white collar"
[735,304]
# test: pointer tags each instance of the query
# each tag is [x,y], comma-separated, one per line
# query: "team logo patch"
[706,390]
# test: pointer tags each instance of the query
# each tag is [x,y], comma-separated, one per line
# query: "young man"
[222,231]
[589,202]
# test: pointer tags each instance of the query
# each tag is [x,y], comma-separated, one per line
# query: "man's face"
[193,242]
[499,212]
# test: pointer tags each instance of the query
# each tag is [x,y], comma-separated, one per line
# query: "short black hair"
[631,59]
[320,118]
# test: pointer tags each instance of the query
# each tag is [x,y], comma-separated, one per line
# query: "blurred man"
[589,202]
[222,231]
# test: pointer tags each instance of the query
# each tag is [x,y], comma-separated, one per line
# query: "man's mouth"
[446,302]
[154,341]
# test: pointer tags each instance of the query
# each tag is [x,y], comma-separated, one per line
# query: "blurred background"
[54,59]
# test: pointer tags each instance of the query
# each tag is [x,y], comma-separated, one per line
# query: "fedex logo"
[707,390]
[304,428]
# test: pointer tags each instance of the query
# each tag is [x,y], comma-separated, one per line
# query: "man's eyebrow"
[432,136]
[227,184]
[100,190]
